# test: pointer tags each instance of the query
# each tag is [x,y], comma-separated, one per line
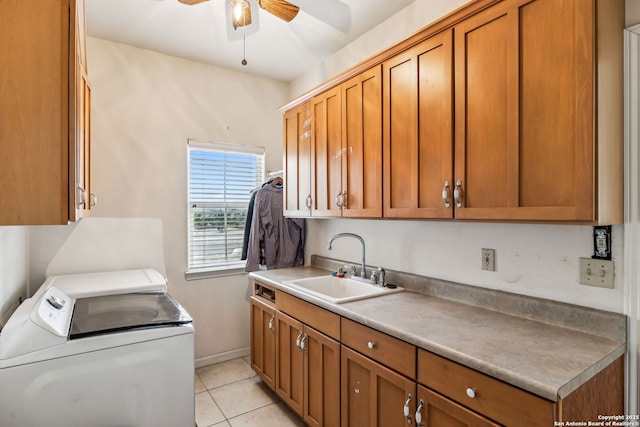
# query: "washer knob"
[55,302]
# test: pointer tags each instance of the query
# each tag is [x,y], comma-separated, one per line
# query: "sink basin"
[338,290]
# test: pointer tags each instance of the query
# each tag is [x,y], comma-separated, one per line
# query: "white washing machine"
[112,359]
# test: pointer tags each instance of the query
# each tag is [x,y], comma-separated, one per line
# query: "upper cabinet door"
[326,176]
[525,139]
[487,113]
[297,161]
[362,145]
[418,130]
[44,105]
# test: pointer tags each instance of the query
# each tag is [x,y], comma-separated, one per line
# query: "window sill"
[234,270]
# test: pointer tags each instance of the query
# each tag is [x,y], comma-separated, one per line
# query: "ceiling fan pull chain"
[244,46]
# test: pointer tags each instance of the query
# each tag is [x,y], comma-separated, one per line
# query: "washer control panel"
[54,312]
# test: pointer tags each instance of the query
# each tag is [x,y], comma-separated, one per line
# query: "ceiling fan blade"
[280,8]
[192,2]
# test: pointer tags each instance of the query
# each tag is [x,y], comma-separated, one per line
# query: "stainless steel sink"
[339,290]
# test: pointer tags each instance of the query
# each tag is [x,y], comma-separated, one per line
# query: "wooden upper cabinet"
[527,80]
[326,176]
[83,198]
[505,110]
[346,160]
[297,161]
[362,145]
[418,130]
[37,111]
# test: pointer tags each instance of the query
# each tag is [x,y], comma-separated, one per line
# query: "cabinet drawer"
[389,351]
[317,317]
[493,398]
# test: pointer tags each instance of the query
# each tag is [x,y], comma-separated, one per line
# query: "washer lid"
[107,283]
[118,313]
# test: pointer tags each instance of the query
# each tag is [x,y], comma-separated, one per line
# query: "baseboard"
[222,357]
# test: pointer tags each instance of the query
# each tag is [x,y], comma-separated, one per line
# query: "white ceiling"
[274,49]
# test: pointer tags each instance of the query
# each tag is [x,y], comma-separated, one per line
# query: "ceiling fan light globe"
[240,13]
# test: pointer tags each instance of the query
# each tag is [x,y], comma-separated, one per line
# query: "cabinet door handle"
[419,413]
[338,201]
[406,408]
[82,199]
[343,200]
[298,340]
[308,201]
[471,393]
[445,195]
[271,328]
[94,198]
[457,194]
[302,342]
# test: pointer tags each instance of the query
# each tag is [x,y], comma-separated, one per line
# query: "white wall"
[145,105]
[537,260]
[396,28]
[632,12]
[14,267]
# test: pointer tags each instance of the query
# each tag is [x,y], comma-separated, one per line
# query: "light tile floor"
[231,394]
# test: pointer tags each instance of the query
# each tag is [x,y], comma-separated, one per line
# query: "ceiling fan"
[238,14]
[241,10]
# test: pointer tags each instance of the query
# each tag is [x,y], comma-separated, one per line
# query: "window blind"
[221,179]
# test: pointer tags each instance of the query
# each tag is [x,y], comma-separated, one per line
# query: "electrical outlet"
[597,272]
[488,259]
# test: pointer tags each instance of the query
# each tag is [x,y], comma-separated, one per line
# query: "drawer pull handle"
[419,413]
[471,393]
[406,408]
[371,345]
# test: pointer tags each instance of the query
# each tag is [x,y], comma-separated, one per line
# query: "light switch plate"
[597,272]
[488,259]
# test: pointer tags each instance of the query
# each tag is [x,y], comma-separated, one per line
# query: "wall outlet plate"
[488,259]
[597,272]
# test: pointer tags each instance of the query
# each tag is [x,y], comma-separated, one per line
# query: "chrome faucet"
[355,236]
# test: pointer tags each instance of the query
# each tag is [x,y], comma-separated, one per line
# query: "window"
[221,179]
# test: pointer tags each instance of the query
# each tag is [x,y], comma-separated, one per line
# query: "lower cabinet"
[333,371]
[373,395]
[307,371]
[321,379]
[434,410]
[289,362]
[263,341]
[508,405]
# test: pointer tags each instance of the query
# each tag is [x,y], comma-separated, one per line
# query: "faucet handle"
[381,277]
[354,270]
[374,276]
